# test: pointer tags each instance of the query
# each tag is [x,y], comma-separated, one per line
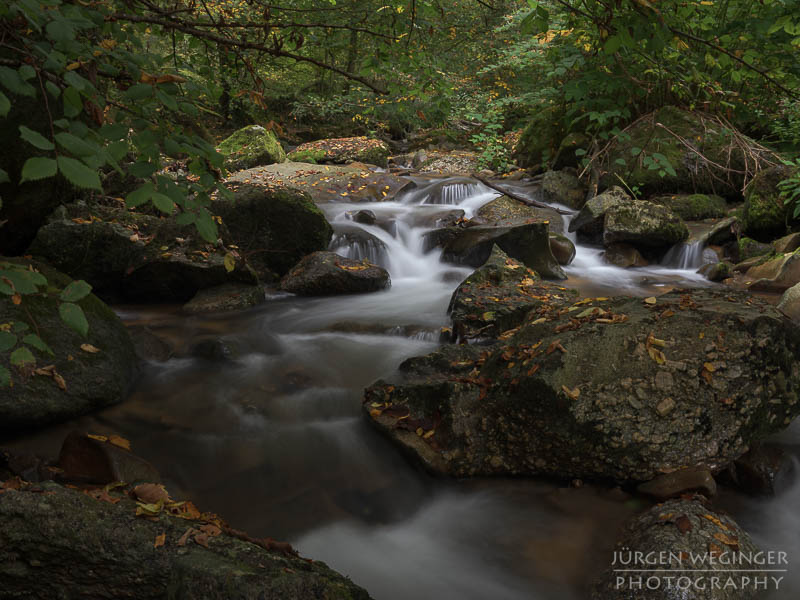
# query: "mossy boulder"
[693,207]
[274,228]
[541,138]
[343,151]
[251,146]
[643,225]
[668,541]
[327,274]
[765,216]
[694,145]
[507,211]
[91,379]
[749,248]
[563,187]
[90,548]
[606,389]
[588,223]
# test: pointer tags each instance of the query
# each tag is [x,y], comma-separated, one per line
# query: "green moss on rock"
[765,215]
[693,207]
[306,156]
[251,146]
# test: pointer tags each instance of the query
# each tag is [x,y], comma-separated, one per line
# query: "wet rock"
[670,485]
[643,225]
[749,248]
[717,271]
[529,243]
[91,460]
[775,275]
[80,381]
[507,211]
[216,349]
[581,391]
[563,187]
[326,273]
[693,207]
[352,241]
[724,231]
[625,256]
[148,345]
[98,549]
[675,536]
[562,248]
[765,215]
[497,296]
[454,162]
[589,221]
[764,470]
[790,303]
[249,147]
[341,151]
[365,217]
[786,244]
[226,297]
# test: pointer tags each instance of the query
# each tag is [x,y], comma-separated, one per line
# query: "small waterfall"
[692,255]
[359,248]
[454,193]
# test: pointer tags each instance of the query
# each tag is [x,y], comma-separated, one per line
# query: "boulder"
[670,485]
[765,470]
[365,217]
[325,183]
[608,388]
[507,211]
[747,248]
[326,273]
[790,303]
[83,374]
[722,232]
[775,275]
[130,256]
[589,221]
[102,460]
[643,225]
[342,151]
[100,548]
[453,162]
[786,244]
[683,549]
[765,215]
[693,207]
[718,271]
[225,297]
[563,187]
[572,148]
[562,248]
[672,150]
[497,296]
[251,146]
[541,139]
[624,256]
[529,243]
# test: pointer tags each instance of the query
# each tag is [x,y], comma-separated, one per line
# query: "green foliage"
[494,153]
[790,187]
[16,284]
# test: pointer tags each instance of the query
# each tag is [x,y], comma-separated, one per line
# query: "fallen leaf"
[99,438]
[211,529]
[728,540]
[160,540]
[16,299]
[121,442]
[572,394]
[90,349]
[60,381]
[184,538]
[202,539]
[102,495]
[683,523]
[151,493]
[651,300]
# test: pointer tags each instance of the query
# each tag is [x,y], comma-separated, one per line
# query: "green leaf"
[77,290]
[73,105]
[35,138]
[20,327]
[22,356]
[75,145]
[140,196]
[4,178]
[37,168]
[78,173]
[138,91]
[5,377]
[34,340]
[163,203]
[72,315]
[5,105]
[7,341]
[11,80]
[612,44]
[206,226]
[60,30]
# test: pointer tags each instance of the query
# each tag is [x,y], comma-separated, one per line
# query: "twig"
[518,197]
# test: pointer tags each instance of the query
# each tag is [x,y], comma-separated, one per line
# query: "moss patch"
[251,146]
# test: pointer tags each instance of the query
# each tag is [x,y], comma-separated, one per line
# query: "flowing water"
[269,434]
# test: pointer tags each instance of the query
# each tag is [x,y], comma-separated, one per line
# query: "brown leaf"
[202,539]
[683,523]
[572,394]
[151,493]
[161,538]
[60,381]
[184,538]
[102,495]
[211,530]
[121,442]
[16,299]
[89,348]
[728,540]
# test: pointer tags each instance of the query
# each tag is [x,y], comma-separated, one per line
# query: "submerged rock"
[610,388]
[229,296]
[101,461]
[670,540]
[82,375]
[529,243]
[327,273]
[624,255]
[101,549]
[251,146]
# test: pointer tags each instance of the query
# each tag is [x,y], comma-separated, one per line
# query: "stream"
[269,434]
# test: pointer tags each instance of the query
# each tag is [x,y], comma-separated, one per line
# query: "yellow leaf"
[120,442]
[73,66]
[160,540]
[420,432]
[572,394]
[428,434]
[89,348]
[99,438]
[656,355]
[651,300]
[229,262]
[709,367]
